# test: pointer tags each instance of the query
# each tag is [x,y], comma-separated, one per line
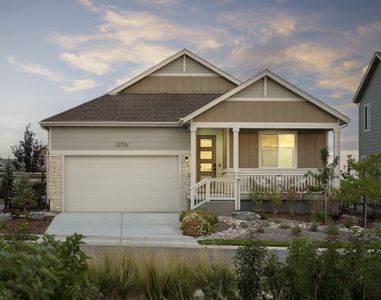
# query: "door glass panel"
[206,142]
[206,154]
[206,167]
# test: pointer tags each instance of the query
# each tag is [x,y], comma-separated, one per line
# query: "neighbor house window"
[366,117]
[277,150]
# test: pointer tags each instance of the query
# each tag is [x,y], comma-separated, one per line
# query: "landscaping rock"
[199,294]
[5,217]
[245,215]
[37,215]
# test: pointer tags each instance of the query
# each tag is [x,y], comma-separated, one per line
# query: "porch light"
[186,159]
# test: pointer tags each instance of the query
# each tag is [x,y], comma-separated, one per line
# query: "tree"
[364,180]
[28,152]
[7,184]
[23,196]
[325,174]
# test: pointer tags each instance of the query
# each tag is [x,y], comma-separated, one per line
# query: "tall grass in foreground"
[160,274]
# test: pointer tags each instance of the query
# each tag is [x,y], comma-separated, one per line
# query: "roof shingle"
[138,107]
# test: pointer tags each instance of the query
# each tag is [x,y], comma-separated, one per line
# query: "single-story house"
[182,134]
[367,98]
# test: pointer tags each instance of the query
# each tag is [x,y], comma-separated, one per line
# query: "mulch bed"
[35,226]
[286,215]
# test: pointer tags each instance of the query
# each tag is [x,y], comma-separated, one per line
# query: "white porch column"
[236,167]
[336,153]
[193,168]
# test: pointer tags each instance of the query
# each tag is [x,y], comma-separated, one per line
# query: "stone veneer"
[185,181]
[54,170]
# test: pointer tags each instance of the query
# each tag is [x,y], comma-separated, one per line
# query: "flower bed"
[197,222]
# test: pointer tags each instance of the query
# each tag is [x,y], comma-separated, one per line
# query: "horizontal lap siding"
[265,111]
[101,138]
[370,141]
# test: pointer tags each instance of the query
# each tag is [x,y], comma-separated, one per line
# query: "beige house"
[185,133]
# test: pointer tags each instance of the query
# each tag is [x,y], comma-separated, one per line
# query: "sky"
[56,54]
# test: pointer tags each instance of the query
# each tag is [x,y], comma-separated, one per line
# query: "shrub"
[208,216]
[318,216]
[263,215]
[292,198]
[256,199]
[195,225]
[349,223]
[50,270]
[249,262]
[275,200]
[332,231]
[23,196]
[296,230]
[313,227]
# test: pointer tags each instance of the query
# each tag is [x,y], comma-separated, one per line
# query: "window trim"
[367,124]
[260,133]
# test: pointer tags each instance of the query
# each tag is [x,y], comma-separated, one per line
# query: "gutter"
[107,124]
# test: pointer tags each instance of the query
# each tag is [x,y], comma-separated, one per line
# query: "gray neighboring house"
[184,134]
[368,98]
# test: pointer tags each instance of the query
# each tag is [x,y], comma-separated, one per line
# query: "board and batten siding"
[265,111]
[106,138]
[309,144]
[370,140]
[181,84]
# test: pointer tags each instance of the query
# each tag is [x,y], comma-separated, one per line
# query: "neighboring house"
[184,133]
[3,163]
[368,98]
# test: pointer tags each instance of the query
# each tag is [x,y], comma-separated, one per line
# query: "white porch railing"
[282,180]
[212,189]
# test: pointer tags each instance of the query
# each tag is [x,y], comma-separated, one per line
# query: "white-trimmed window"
[367,117]
[277,150]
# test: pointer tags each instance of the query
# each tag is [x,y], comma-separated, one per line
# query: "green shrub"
[313,227]
[263,215]
[275,200]
[296,230]
[49,270]
[318,216]
[23,196]
[332,231]
[349,223]
[249,262]
[257,197]
[195,225]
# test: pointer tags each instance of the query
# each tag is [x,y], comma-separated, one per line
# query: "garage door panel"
[122,183]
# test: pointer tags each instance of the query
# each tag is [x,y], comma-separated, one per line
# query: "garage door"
[121,184]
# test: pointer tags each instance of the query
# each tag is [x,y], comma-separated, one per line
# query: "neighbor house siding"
[105,138]
[309,144]
[370,140]
[265,111]
[181,84]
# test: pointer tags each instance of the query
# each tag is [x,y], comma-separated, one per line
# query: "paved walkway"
[124,228]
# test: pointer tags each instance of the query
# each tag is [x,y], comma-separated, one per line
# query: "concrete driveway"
[119,228]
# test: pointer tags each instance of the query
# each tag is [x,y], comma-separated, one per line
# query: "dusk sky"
[57,54]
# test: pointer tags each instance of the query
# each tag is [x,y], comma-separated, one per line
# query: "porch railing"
[265,180]
[212,189]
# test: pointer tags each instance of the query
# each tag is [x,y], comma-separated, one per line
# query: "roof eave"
[46,124]
[356,97]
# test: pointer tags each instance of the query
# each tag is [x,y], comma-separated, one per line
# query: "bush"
[23,196]
[195,225]
[349,223]
[197,222]
[50,270]
[296,230]
[275,200]
[313,227]
[249,262]
[318,216]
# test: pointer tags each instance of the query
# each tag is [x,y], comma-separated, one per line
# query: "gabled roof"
[169,60]
[344,119]
[123,109]
[367,76]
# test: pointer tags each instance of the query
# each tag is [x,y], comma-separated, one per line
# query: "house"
[368,98]
[3,163]
[182,134]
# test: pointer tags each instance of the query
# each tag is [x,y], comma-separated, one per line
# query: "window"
[277,150]
[367,117]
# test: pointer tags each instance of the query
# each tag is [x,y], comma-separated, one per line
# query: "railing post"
[207,192]
[192,198]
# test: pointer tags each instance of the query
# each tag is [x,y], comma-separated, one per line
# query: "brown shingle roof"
[140,107]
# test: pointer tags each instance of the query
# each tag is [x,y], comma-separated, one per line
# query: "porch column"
[236,167]
[193,168]
[336,153]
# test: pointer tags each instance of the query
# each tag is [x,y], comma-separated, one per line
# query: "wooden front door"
[206,156]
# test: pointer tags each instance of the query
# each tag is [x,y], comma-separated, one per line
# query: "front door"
[206,156]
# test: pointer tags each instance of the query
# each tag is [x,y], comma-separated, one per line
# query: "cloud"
[161,2]
[75,85]
[88,4]
[80,85]
[36,69]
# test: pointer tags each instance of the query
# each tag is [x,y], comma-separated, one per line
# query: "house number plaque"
[121,144]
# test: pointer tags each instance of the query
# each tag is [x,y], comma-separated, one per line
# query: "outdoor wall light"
[186,159]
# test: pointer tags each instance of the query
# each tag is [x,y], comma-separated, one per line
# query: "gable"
[184,65]
[266,87]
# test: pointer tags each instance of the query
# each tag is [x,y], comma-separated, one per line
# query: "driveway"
[116,228]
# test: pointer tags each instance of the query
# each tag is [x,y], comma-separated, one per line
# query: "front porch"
[236,160]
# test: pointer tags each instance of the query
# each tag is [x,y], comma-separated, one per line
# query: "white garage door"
[121,184]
